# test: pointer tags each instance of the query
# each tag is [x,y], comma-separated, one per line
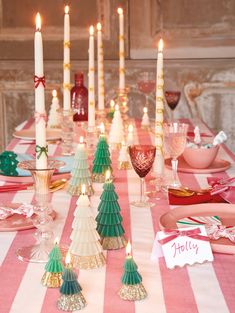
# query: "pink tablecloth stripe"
[176,283]
[115,259]
[12,271]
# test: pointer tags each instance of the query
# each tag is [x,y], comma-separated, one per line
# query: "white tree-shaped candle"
[116,134]
[85,247]
[54,117]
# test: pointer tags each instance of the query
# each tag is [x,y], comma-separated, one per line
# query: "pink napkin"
[220,187]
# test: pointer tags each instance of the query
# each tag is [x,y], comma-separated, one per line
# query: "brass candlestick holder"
[42,218]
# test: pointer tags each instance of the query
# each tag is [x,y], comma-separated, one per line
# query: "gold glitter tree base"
[113,243]
[98,178]
[124,165]
[133,292]
[77,190]
[52,280]
[88,262]
[71,302]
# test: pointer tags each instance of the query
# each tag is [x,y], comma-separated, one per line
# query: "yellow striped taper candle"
[159,112]
[100,61]
[121,50]
[66,91]
[91,81]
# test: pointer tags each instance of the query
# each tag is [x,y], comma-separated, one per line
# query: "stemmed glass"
[142,158]
[172,99]
[146,84]
[175,136]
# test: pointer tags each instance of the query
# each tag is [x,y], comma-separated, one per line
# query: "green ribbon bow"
[41,150]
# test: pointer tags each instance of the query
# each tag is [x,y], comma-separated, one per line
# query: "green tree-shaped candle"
[80,174]
[132,288]
[109,219]
[71,298]
[102,161]
[53,270]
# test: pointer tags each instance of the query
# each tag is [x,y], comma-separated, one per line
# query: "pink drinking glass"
[175,137]
[142,158]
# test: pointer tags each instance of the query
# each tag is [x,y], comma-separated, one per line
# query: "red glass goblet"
[142,158]
[172,99]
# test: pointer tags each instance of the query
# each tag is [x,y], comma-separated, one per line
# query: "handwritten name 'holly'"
[179,249]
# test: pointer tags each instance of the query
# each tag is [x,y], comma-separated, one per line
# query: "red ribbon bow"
[38,116]
[38,80]
[174,233]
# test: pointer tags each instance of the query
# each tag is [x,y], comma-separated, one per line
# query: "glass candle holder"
[42,220]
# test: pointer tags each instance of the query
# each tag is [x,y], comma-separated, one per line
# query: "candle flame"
[160,45]
[107,175]
[83,189]
[116,107]
[112,103]
[91,30]
[145,110]
[120,11]
[102,128]
[68,258]
[81,139]
[54,93]
[99,26]
[56,241]
[128,248]
[123,143]
[130,128]
[38,22]
[66,9]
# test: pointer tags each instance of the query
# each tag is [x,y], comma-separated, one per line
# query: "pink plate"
[18,222]
[226,213]
[29,179]
[217,166]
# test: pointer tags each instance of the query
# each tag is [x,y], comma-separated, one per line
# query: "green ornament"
[70,284]
[54,264]
[8,163]
[131,275]
[102,161]
[109,219]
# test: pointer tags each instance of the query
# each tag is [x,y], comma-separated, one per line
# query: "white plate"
[29,134]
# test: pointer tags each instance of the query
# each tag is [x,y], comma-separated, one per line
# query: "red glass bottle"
[79,99]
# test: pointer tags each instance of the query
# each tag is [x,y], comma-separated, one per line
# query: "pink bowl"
[200,158]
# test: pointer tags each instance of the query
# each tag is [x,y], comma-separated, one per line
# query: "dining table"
[204,288]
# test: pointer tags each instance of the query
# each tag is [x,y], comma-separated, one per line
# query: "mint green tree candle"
[71,298]
[109,219]
[132,288]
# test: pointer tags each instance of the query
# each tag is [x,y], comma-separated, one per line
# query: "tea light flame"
[102,128]
[145,110]
[107,175]
[54,93]
[81,140]
[112,103]
[130,128]
[128,248]
[160,45]
[66,9]
[68,258]
[120,11]
[38,22]
[56,241]
[83,189]
[91,30]
[99,26]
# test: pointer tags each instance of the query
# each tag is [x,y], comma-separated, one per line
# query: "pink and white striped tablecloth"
[206,288]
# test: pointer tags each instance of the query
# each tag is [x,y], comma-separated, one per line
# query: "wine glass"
[142,158]
[175,136]
[146,84]
[172,99]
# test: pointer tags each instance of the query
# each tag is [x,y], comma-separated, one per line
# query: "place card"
[183,246]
